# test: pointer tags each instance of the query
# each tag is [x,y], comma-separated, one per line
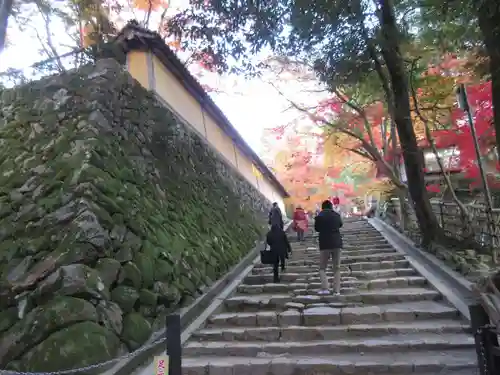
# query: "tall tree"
[488,13]
[345,41]
[413,157]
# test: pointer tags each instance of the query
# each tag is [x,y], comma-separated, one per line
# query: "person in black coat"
[275,216]
[328,224]
[280,246]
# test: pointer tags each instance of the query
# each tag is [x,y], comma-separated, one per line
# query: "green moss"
[136,330]
[148,297]
[147,196]
[80,345]
[41,322]
[131,275]
[8,318]
[125,297]
[146,265]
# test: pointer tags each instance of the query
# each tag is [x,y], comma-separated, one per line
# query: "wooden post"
[174,347]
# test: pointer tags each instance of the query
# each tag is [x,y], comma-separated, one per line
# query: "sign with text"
[161,365]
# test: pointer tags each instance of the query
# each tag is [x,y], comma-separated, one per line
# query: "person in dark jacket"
[328,224]
[275,216]
[280,246]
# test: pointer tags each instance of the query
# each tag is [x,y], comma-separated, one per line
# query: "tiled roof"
[135,37]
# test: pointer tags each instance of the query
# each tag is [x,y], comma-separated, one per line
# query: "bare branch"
[147,16]
[162,20]
[359,152]
[360,112]
[369,148]
[53,51]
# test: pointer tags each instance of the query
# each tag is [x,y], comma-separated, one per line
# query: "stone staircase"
[387,320]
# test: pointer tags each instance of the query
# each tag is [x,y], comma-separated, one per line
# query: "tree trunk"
[413,157]
[5,11]
[488,14]
[404,213]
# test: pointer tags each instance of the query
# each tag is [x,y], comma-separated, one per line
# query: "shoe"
[283,268]
[276,280]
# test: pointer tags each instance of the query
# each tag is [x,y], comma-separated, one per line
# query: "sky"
[253,105]
[250,105]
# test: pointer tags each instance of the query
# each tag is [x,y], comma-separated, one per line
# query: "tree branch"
[369,148]
[359,110]
[50,44]
[432,143]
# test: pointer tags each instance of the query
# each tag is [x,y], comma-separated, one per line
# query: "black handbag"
[267,256]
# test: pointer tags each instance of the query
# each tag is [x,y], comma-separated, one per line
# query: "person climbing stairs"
[386,320]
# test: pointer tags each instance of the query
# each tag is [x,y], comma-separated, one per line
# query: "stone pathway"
[388,320]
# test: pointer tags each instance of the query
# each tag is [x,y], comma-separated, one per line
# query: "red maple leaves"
[370,125]
[459,134]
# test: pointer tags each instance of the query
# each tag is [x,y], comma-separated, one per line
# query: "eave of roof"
[133,37]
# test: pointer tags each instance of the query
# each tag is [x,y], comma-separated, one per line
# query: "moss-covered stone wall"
[112,213]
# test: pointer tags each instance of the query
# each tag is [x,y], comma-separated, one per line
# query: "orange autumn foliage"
[150,5]
[175,45]
[86,35]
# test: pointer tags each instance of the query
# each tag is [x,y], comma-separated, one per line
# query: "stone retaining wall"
[112,213]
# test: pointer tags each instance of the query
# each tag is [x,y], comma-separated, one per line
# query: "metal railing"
[486,341]
[473,231]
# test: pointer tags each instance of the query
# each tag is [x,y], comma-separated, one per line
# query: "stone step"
[387,320]
[371,297]
[347,249]
[381,273]
[303,292]
[364,241]
[413,362]
[353,251]
[386,343]
[314,262]
[287,287]
[362,236]
[354,259]
[467,371]
[299,315]
[368,250]
[392,282]
[361,266]
[295,333]
[347,261]
[306,261]
[314,276]
[348,245]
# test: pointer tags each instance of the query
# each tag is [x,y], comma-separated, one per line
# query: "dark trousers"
[280,259]
[300,235]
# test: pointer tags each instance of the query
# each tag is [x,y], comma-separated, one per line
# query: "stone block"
[290,318]
[321,316]
[360,315]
